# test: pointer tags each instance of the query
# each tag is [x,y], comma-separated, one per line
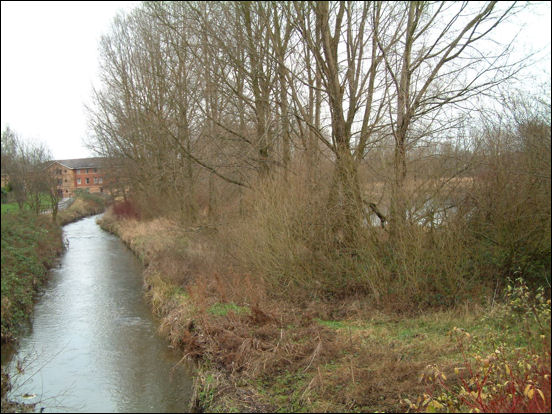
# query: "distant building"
[82,173]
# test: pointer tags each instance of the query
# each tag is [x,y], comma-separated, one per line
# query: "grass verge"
[29,246]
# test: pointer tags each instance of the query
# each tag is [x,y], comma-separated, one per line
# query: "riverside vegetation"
[341,206]
[256,351]
[31,244]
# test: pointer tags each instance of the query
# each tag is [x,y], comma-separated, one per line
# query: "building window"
[66,191]
[95,180]
[58,171]
[87,171]
[64,171]
[87,180]
[101,180]
[95,170]
[59,181]
[78,181]
[66,180]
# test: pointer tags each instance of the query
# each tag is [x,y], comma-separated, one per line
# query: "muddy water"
[93,345]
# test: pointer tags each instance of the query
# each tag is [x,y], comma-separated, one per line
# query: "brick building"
[82,173]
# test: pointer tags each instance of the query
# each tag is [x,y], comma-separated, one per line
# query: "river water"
[93,345]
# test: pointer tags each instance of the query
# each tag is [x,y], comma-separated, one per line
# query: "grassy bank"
[30,245]
[84,205]
[257,352]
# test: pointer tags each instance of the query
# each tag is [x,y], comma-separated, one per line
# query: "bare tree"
[24,162]
[340,38]
[442,60]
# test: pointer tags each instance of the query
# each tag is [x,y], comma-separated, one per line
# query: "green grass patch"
[45,204]
[285,391]
[222,309]
[9,207]
[179,292]
[356,325]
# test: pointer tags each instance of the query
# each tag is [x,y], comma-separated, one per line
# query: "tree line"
[376,122]
[29,181]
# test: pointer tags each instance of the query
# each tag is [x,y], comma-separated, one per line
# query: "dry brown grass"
[252,345]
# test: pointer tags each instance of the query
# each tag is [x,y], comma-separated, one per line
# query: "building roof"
[95,162]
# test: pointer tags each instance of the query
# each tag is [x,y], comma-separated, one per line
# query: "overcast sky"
[49,62]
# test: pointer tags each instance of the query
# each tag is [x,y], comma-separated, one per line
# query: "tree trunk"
[345,201]
[212,197]
[398,199]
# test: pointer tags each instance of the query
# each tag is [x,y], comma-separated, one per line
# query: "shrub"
[99,200]
[505,380]
[125,209]
[497,383]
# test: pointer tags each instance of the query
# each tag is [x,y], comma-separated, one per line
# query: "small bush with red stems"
[125,209]
[507,380]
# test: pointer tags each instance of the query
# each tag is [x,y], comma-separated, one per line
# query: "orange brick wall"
[69,179]
[89,173]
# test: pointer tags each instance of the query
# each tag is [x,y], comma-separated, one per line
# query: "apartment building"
[82,173]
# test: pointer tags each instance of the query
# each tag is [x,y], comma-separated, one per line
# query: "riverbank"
[256,353]
[30,247]
[84,205]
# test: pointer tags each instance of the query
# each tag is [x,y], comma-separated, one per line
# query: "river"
[93,344]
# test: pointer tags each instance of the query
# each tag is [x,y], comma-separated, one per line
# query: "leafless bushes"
[125,209]
[461,241]
[509,202]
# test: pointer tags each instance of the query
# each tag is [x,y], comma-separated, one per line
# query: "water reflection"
[93,339]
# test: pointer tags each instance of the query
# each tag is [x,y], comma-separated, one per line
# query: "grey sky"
[49,61]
